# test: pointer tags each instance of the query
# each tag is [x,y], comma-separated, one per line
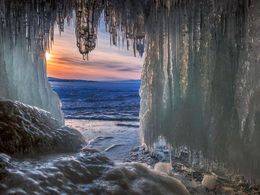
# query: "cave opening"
[100,91]
[199,92]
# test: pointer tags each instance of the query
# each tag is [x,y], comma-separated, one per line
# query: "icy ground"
[43,168]
[36,136]
[105,112]
[86,172]
[115,139]
[121,144]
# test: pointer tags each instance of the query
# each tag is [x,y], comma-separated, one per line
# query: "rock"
[209,182]
[87,172]
[4,164]
[162,167]
[87,149]
[136,149]
[28,130]
[135,178]
[139,154]
[59,175]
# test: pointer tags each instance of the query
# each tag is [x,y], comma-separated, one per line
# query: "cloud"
[105,62]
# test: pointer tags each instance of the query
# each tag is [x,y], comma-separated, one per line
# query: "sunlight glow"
[105,62]
[47,56]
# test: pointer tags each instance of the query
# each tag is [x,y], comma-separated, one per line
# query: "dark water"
[103,100]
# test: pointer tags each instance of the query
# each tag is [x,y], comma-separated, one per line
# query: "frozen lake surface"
[106,100]
[106,113]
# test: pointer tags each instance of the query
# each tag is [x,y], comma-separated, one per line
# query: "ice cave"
[200,93]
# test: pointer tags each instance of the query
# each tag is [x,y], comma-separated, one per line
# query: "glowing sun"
[47,56]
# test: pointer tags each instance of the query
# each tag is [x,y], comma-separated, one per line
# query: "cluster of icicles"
[200,81]
[35,20]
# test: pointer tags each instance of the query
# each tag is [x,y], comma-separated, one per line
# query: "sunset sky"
[105,62]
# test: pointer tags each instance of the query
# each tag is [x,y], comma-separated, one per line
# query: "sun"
[47,56]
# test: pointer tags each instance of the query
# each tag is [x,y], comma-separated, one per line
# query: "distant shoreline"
[98,100]
[52,79]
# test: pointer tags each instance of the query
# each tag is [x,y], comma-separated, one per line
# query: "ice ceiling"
[200,81]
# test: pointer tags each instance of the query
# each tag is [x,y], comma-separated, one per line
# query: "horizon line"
[109,80]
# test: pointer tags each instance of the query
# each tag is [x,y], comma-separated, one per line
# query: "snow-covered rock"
[135,178]
[209,182]
[26,129]
[56,175]
[4,165]
[163,167]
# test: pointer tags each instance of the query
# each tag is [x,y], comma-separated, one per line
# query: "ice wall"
[26,29]
[200,81]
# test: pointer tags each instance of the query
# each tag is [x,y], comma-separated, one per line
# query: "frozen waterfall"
[26,32]
[200,81]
